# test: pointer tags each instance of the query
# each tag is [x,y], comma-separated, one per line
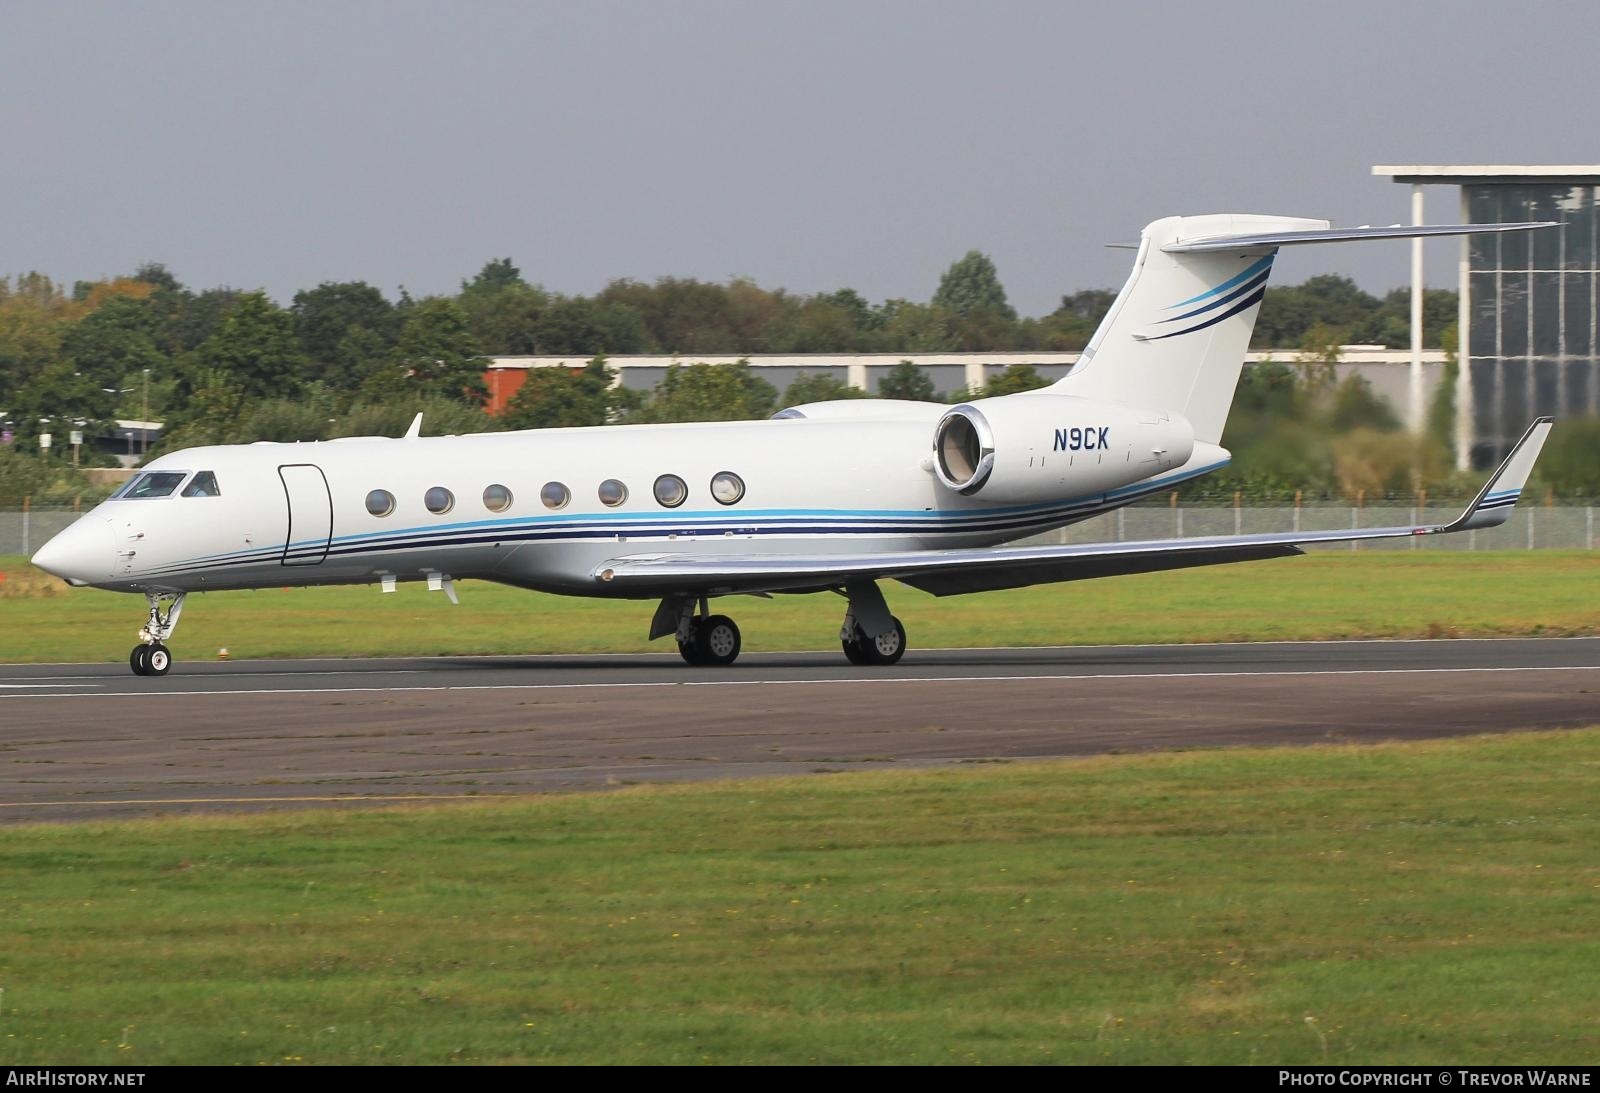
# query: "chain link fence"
[1531,527]
[24,531]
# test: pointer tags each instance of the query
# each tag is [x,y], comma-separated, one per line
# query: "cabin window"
[555,495]
[203,484]
[380,502]
[123,489]
[727,487]
[439,500]
[612,493]
[496,498]
[671,491]
[156,484]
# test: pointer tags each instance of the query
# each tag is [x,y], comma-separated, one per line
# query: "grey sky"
[806,145]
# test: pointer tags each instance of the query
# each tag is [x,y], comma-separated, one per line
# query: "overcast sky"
[807,145]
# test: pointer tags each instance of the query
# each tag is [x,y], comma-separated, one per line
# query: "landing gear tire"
[158,662]
[704,640]
[885,649]
[716,641]
[150,660]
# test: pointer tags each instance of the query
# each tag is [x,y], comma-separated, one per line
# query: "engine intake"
[963,447]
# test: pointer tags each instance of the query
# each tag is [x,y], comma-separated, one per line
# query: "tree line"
[146,345]
[223,365]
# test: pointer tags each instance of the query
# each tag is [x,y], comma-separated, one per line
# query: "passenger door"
[310,514]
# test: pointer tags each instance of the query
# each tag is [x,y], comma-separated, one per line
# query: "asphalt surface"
[95,742]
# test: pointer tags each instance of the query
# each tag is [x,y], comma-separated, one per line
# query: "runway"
[94,741]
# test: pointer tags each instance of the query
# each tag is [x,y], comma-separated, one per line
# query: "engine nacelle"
[1037,446]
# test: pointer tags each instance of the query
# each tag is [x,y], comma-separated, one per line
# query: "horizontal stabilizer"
[1339,235]
[953,572]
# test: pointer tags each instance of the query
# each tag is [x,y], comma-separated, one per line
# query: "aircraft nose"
[78,555]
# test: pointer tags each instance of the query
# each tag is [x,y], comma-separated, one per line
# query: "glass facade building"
[1531,308]
[1529,300]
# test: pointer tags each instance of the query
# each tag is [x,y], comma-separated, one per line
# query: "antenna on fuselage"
[416,428]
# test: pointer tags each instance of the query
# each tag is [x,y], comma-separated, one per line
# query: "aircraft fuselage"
[526,508]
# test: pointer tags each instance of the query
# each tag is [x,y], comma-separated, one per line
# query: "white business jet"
[833,496]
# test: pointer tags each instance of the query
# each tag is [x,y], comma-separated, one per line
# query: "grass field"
[1410,903]
[1324,595]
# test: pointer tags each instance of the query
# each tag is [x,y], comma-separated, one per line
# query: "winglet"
[1492,507]
[416,427]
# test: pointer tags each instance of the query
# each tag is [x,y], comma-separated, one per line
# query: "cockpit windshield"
[203,484]
[154,484]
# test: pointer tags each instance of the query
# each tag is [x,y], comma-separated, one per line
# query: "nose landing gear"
[152,657]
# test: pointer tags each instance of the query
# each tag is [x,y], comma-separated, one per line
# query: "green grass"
[1409,903]
[1325,595]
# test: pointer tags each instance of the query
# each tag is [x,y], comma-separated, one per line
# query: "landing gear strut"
[152,657]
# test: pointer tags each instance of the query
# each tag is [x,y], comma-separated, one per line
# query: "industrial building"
[1388,370]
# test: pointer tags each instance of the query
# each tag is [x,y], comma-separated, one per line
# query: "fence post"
[1588,527]
[1530,529]
[26,553]
[1355,515]
[1297,512]
[1121,515]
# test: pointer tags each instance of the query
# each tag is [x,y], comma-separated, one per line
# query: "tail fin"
[1176,337]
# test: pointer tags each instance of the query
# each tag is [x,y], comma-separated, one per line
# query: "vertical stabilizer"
[1176,337]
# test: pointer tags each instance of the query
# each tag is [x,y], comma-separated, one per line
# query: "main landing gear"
[152,657]
[704,640]
[869,636]
[887,648]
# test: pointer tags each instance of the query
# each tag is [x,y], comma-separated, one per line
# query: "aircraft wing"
[953,572]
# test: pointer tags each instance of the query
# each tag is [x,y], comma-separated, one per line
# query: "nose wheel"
[150,660]
[151,657]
